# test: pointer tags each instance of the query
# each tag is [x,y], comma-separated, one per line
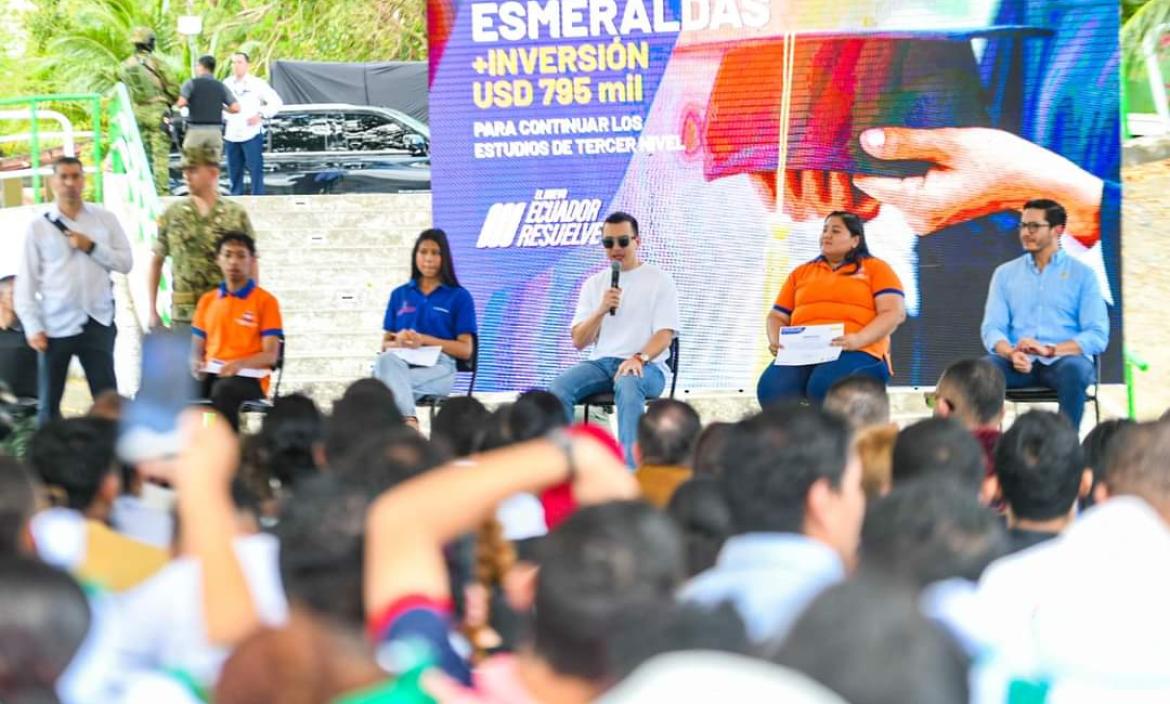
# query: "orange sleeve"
[199,320]
[270,320]
[882,279]
[786,300]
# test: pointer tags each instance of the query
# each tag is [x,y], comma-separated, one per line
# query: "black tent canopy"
[401,85]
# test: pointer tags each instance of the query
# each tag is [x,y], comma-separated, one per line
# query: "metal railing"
[1132,363]
[34,114]
[133,197]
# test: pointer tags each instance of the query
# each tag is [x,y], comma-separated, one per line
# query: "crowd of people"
[810,553]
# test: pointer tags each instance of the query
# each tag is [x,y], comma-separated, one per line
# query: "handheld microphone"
[615,270]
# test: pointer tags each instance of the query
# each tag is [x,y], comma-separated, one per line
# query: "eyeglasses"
[1033,227]
[623,241]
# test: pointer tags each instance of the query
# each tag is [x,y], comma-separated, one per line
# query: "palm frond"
[1146,25]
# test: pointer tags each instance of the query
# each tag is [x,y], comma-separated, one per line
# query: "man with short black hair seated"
[861,400]
[74,459]
[236,331]
[938,448]
[972,392]
[793,483]
[1041,470]
[667,433]
[18,361]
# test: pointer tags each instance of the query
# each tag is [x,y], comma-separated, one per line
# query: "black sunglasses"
[623,241]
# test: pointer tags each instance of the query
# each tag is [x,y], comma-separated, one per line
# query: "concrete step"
[374,202]
[329,255]
[292,234]
[337,276]
[336,367]
[303,321]
[348,296]
[317,344]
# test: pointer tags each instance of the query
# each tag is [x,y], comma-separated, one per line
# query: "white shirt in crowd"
[161,620]
[59,288]
[136,518]
[256,97]
[649,304]
[1085,612]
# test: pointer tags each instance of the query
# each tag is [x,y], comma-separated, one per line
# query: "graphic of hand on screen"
[812,195]
[978,171]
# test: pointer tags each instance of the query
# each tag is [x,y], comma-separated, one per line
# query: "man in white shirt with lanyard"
[244,134]
[64,296]
[630,327]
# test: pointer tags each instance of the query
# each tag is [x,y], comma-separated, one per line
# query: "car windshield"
[412,123]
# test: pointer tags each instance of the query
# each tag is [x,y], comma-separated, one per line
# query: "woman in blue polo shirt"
[431,310]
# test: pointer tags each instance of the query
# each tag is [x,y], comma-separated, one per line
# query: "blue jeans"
[1068,376]
[94,347]
[250,154]
[409,384]
[812,381]
[629,393]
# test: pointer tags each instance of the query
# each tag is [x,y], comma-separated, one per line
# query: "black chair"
[1043,394]
[605,399]
[467,366]
[262,405]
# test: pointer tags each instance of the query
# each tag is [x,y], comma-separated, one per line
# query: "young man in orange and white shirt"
[236,332]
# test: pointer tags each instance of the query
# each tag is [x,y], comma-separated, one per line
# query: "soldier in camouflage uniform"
[153,93]
[187,232]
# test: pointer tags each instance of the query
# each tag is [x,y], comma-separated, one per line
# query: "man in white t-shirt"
[630,328]
[244,134]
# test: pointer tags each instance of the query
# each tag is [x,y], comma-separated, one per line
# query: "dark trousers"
[228,393]
[94,346]
[251,155]
[812,381]
[1068,376]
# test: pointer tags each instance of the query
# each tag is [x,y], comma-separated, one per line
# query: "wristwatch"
[644,357]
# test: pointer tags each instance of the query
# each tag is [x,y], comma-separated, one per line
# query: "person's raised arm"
[408,526]
[203,480]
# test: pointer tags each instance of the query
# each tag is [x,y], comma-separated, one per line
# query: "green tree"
[78,45]
[1143,21]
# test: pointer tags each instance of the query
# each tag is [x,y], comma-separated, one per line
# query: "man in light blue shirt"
[1045,318]
[793,485]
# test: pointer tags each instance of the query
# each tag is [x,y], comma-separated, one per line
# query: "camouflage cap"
[142,35]
[199,155]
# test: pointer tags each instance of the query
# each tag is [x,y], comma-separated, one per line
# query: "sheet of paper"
[421,357]
[809,344]
[214,366]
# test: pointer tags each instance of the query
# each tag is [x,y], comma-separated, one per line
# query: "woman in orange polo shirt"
[845,284]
